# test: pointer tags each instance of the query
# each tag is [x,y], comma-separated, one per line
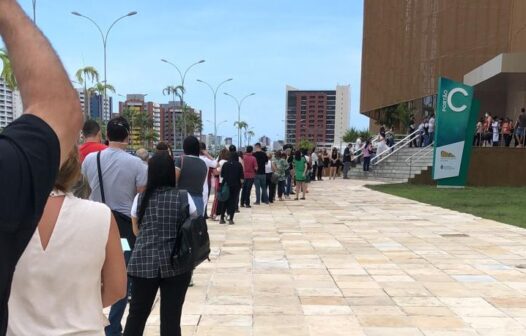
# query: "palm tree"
[83,75]
[240,126]
[250,134]
[174,91]
[100,89]
[7,71]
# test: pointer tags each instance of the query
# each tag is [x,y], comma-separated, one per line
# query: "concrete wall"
[490,167]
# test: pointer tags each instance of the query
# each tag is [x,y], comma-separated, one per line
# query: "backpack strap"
[101,184]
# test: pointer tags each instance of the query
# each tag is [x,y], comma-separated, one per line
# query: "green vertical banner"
[456,117]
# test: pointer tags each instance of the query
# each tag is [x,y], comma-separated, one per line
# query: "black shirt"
[347,155]
[232,173]
[29,163]
[193,174]
[262,159]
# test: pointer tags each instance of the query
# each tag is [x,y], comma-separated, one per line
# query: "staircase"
[396,168]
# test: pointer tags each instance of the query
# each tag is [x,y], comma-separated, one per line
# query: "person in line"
[150,265]
[269,171]
[306,155]
[261,178]
[123,176]
[521,128]
[347,161]
[163,146]
[281,165]
[367,153]
[431,129]
[72,267]
[333,163]
[314,160]
[300,171]
[191,172]
[420,134]
[217,205]
[143,154]
[92,139]
[326,163]
[358,149]
[495,132]
[411,129]
[488,132]
[34,146]
[250,168]
[321,166]
[506,131]
[289,173]
[232,174]
[477,141]
[211,165]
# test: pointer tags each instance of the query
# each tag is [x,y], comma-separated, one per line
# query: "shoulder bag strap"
[101,184]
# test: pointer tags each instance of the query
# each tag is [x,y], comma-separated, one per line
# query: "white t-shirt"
[191,204]
[268,167]
[431,125]
[209,164]
[219,166]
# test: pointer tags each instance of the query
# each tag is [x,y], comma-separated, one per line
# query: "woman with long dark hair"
[150,265]
[334,164]
[218,205]
[232,174]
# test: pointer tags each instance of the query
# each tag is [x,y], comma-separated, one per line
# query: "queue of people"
[492,131]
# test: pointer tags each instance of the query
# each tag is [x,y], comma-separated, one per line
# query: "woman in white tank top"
[72,267]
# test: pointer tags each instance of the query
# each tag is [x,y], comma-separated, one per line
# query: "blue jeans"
[118,308]
[288,185]
[199,204]
[261,188]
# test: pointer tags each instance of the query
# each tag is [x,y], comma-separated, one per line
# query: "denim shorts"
[520,131]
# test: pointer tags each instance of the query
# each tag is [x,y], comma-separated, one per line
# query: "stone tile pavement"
[351,261]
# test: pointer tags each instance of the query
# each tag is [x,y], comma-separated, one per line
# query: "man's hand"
[44,84]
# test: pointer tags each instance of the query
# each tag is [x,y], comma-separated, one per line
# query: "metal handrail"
[363,146]
[392,150]
[420,154]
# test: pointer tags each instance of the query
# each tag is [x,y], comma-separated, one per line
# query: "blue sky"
[263,45]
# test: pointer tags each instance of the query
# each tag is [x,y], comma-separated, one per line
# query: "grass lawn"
[503,204]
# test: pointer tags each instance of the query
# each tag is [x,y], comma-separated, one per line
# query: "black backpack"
[192,245]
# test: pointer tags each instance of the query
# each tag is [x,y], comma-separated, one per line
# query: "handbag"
[224,193]
[192,243]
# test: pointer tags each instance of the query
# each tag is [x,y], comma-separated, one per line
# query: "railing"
[373,142]
[390,151]
[420,154]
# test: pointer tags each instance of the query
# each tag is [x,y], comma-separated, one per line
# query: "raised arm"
[44,84]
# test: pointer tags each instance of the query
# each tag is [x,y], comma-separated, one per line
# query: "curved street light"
[104,42]
[182,76]
[214,92]
[239,103]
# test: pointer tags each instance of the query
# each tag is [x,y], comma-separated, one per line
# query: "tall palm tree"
[7,71]
[174,91]
[250,134]
[240,126]
[83,75]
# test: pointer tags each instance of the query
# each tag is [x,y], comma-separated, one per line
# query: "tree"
[192,121]
[7,71]
[84,75]
[240,125]
[395,116]
[305,144]
[100,89]
[250,135]
[353,133]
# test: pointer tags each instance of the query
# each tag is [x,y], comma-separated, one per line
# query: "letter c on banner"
[450,100]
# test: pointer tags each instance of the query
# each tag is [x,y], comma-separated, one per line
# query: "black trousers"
[246,191]
[366,163]
[230,205]
[320,172]
[173,292]
[507,139]
[281,188]
[271,188]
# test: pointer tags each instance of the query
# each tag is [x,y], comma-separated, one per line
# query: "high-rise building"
[277,145]
[319,116]
[169,127]
[211,143]
[228,141]
[265,141]
[141,134]
[95,105]
[10,104]
[409,44]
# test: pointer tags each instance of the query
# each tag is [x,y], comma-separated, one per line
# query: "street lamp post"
[182,75]
[239,103]
[104,44]
[214,91]
[35,11]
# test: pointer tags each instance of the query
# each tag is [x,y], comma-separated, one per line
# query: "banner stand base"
[450,187]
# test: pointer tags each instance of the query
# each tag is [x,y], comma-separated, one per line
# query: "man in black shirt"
[32,147]
[260,181]
[347,155]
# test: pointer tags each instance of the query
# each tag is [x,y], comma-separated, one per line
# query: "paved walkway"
[351,261]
